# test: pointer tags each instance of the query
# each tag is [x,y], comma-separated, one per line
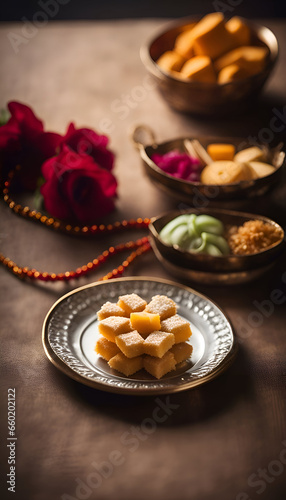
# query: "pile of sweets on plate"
[214,50]
[136,335]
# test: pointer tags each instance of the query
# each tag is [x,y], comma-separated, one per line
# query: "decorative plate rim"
[130,386]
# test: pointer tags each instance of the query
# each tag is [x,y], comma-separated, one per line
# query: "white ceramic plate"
[70,332]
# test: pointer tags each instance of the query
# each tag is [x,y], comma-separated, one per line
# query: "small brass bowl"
[196,193]
[207,98]
[207,269]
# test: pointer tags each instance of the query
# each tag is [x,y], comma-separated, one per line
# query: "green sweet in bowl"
[197,234]
[197,240]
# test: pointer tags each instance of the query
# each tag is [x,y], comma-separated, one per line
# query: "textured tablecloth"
[225,440]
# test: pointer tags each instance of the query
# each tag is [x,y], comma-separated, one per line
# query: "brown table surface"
[224,440]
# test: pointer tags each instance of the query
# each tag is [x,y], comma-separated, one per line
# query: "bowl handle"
[142,135]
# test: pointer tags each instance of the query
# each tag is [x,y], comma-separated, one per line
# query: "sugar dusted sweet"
[110,309]
[158,343]
[131,303]
[113,326]
[158,367]
[125,365]
[178,326]
[162,305]
[138,335]
[145,323]
[181,351]
[106,349]
[131,344]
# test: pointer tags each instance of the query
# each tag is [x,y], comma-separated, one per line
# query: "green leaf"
[4,116]
[38,201]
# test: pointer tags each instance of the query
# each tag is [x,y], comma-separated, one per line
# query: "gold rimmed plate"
[70,332]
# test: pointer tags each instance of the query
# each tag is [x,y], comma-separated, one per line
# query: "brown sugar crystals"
[252,237]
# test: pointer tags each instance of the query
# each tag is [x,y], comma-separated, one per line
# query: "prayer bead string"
[139,246]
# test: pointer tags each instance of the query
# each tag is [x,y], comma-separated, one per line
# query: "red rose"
[77,187]
[79,184]
[24,142]
[86,141]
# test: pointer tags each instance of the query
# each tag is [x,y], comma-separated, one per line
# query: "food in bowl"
[207,235]
[198,68]
[220,151]
[180,165]
[218,164]
[214,50]
[146,335]
[196,234]
[189,94]
[253,236]
[229,167]
[226,172]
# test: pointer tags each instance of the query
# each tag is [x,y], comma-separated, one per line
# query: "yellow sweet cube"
[145,323]
[159,366]
[106,349]
[180,328]
[125,365]
[231,73]
[170,61]
[210,36]
[200,69]
[184,44]
[221,151]
[113,326]
[110,309]
[239,30]
[181,351]
[131,303]
[162,305]
[131,344]
[251,59]
[158,343]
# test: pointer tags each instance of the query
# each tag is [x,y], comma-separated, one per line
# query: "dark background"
[15,10]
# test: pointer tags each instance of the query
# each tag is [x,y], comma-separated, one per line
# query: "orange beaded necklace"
[139,246]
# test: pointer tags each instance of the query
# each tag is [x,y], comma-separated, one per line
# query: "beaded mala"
[138,247]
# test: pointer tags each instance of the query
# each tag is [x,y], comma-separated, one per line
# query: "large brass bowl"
[207,98]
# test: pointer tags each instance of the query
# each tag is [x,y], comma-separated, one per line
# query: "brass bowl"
[196,193]
[207,269]
[207,98]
